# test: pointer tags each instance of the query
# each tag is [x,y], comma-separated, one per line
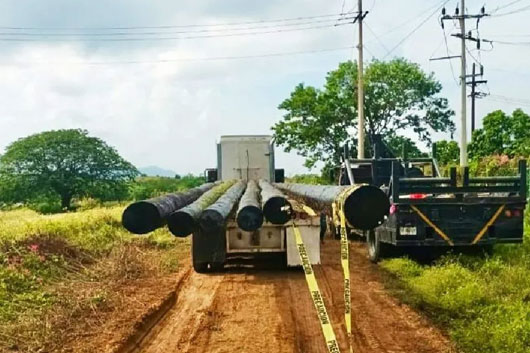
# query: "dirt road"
[270,310]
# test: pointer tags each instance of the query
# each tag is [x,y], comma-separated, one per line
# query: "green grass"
[482,302]
[41,255]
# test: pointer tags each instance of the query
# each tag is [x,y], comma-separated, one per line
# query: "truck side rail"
[513,188]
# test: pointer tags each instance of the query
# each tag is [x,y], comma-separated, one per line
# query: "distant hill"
[153,170]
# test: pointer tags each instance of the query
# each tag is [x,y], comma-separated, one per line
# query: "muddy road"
[270,310]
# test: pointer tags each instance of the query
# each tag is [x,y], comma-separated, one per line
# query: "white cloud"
[170,114]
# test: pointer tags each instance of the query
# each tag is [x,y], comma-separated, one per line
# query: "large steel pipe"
[145,216]
[214,217]
[249,215]
[276,207]
[365,206]
[185,220]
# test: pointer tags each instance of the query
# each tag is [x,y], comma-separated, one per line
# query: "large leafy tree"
[399,97]
[447,152]
[502,134]
[66,163]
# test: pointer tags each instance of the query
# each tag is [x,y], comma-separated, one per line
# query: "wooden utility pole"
[360,86]
[463,94]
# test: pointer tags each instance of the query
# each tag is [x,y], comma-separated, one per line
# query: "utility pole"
[463,95]
[360,85]
[461,16]
[474,93]
[473,84]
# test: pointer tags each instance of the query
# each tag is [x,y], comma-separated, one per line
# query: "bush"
[483,302]
[312,179]
[147,187]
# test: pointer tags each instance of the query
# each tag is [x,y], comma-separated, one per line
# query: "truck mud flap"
[208,247]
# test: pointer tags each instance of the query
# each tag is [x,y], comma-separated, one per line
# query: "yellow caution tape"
[487,225]
[316,295]
[345,262]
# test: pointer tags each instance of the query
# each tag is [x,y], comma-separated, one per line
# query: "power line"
[505,6]
[509,100]
[507,42]
[161,61]
[448,54]
[377,38]
[135,39]
[110,34]
[238,23]
[416,28]
[522,100]
[522,9]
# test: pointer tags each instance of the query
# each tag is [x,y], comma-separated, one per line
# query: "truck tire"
[200,267]
[217,266]
[376,249]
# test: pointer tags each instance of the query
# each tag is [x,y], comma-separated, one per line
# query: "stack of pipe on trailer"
[249,215]
[276,207]
[184,221]
[146,216]
[365,206]
[215,216]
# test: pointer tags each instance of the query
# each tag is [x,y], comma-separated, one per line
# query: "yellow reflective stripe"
[428,221]
[489,223]
[345,262]
[316,295]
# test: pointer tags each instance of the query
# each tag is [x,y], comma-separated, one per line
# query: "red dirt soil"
[270,310]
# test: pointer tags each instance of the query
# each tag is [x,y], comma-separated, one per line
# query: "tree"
[66,163]
[447,152]
[397,143]
[502,134]
[399,96]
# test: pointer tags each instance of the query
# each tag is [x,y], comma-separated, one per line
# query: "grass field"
[484,303]
[61,273]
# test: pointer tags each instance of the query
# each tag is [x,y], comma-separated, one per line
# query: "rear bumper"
[460,242]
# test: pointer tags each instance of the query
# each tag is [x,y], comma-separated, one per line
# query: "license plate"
[407,230]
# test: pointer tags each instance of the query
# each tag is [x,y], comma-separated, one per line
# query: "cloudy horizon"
[165,102]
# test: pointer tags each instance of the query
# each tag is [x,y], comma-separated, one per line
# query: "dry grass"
[73,282]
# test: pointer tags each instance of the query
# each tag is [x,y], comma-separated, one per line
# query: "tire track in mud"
[269,310]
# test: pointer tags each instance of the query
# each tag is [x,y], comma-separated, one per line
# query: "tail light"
[417,196]
[513,213]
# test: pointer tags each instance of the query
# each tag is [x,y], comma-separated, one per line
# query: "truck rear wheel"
[200,267]
[376,249]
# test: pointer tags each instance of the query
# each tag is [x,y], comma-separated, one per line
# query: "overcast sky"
[159,105]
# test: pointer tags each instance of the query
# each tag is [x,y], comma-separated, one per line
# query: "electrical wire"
[505,6]
[162,61]
[509,100]
[416,28]
[140,39]
[449,54]
[522,9]
[376,37]
[110,34]
[507,42]
[238,23]
[410,20]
